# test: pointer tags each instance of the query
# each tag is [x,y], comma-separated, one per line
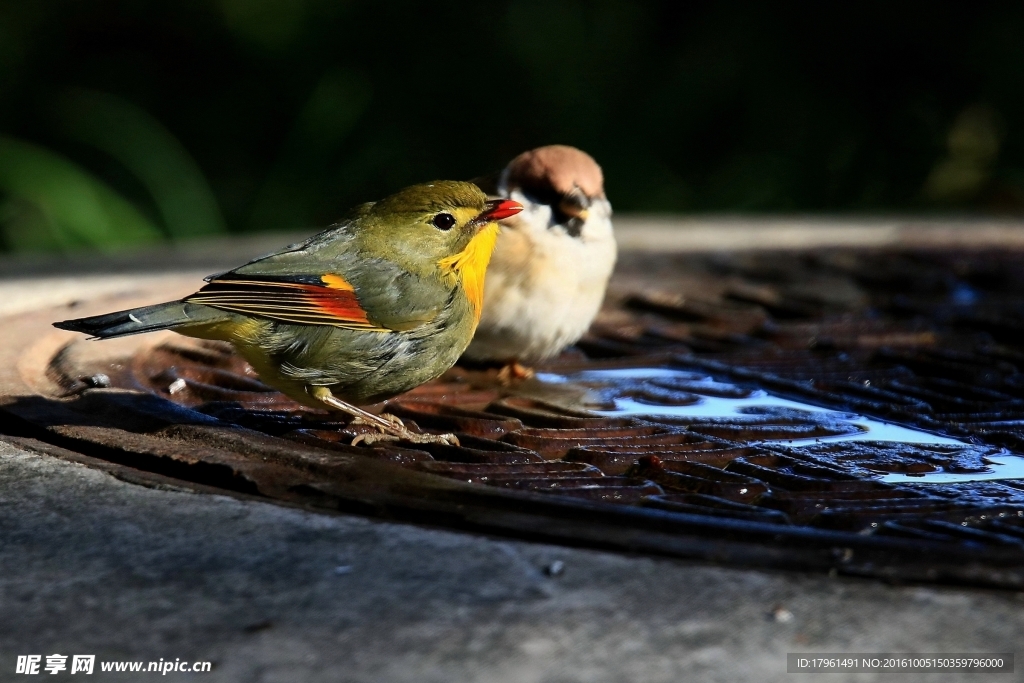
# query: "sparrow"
[379,303]
[552,261]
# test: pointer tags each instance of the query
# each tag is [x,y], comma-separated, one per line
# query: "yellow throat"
[469,266]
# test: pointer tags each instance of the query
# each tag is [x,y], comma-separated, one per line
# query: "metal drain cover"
[844,410]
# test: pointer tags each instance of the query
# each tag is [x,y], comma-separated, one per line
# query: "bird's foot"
[371,438]
[391,428]
[515,371]
[399,432]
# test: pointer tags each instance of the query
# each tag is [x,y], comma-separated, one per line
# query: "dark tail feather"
[137,320]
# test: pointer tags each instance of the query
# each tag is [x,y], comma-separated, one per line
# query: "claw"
[372,438]
[399,433]
[393,420]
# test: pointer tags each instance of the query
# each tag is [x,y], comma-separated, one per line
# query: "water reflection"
[636,392]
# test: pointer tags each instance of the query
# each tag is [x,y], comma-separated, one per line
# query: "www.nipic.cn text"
[86,664]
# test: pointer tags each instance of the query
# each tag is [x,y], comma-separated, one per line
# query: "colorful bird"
[551,265]
[379,303]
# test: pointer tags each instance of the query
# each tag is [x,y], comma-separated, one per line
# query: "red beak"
[498,209]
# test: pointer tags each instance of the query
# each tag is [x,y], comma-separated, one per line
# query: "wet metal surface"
[857,411]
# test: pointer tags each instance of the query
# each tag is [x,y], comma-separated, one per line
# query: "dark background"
[124,121]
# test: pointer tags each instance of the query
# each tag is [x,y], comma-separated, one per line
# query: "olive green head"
[422,225]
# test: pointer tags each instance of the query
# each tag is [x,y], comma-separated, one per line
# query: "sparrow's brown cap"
[557,168]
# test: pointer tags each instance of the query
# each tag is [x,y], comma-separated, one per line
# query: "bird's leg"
[514,371]
[360,416]
[390,426]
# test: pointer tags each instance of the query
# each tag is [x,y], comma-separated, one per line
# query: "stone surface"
[93,565]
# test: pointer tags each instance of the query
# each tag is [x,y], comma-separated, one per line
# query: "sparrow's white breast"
[543,286]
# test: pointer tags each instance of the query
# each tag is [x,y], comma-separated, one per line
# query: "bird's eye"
[444,221]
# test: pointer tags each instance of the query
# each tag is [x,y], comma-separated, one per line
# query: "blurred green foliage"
[131,120]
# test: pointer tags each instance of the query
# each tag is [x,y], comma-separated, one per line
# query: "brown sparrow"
[551,265]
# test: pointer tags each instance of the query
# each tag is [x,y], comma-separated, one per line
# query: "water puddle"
[1001,467]
[691,395]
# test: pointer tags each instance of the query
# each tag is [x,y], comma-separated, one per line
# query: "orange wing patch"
[332,303]
[337,282]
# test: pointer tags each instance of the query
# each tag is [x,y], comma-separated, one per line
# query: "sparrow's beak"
[498,209]
[575,205]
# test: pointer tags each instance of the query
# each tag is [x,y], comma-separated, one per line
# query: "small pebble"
[556,568]
[176,386]
[782,615]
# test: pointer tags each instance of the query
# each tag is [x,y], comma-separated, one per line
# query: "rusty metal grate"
[929,340]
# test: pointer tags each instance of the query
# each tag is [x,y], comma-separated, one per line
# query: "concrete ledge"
[672,234]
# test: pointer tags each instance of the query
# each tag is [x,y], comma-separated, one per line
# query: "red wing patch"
[332,303]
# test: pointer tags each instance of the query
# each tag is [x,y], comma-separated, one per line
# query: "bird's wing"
[327,286]
[326,300]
